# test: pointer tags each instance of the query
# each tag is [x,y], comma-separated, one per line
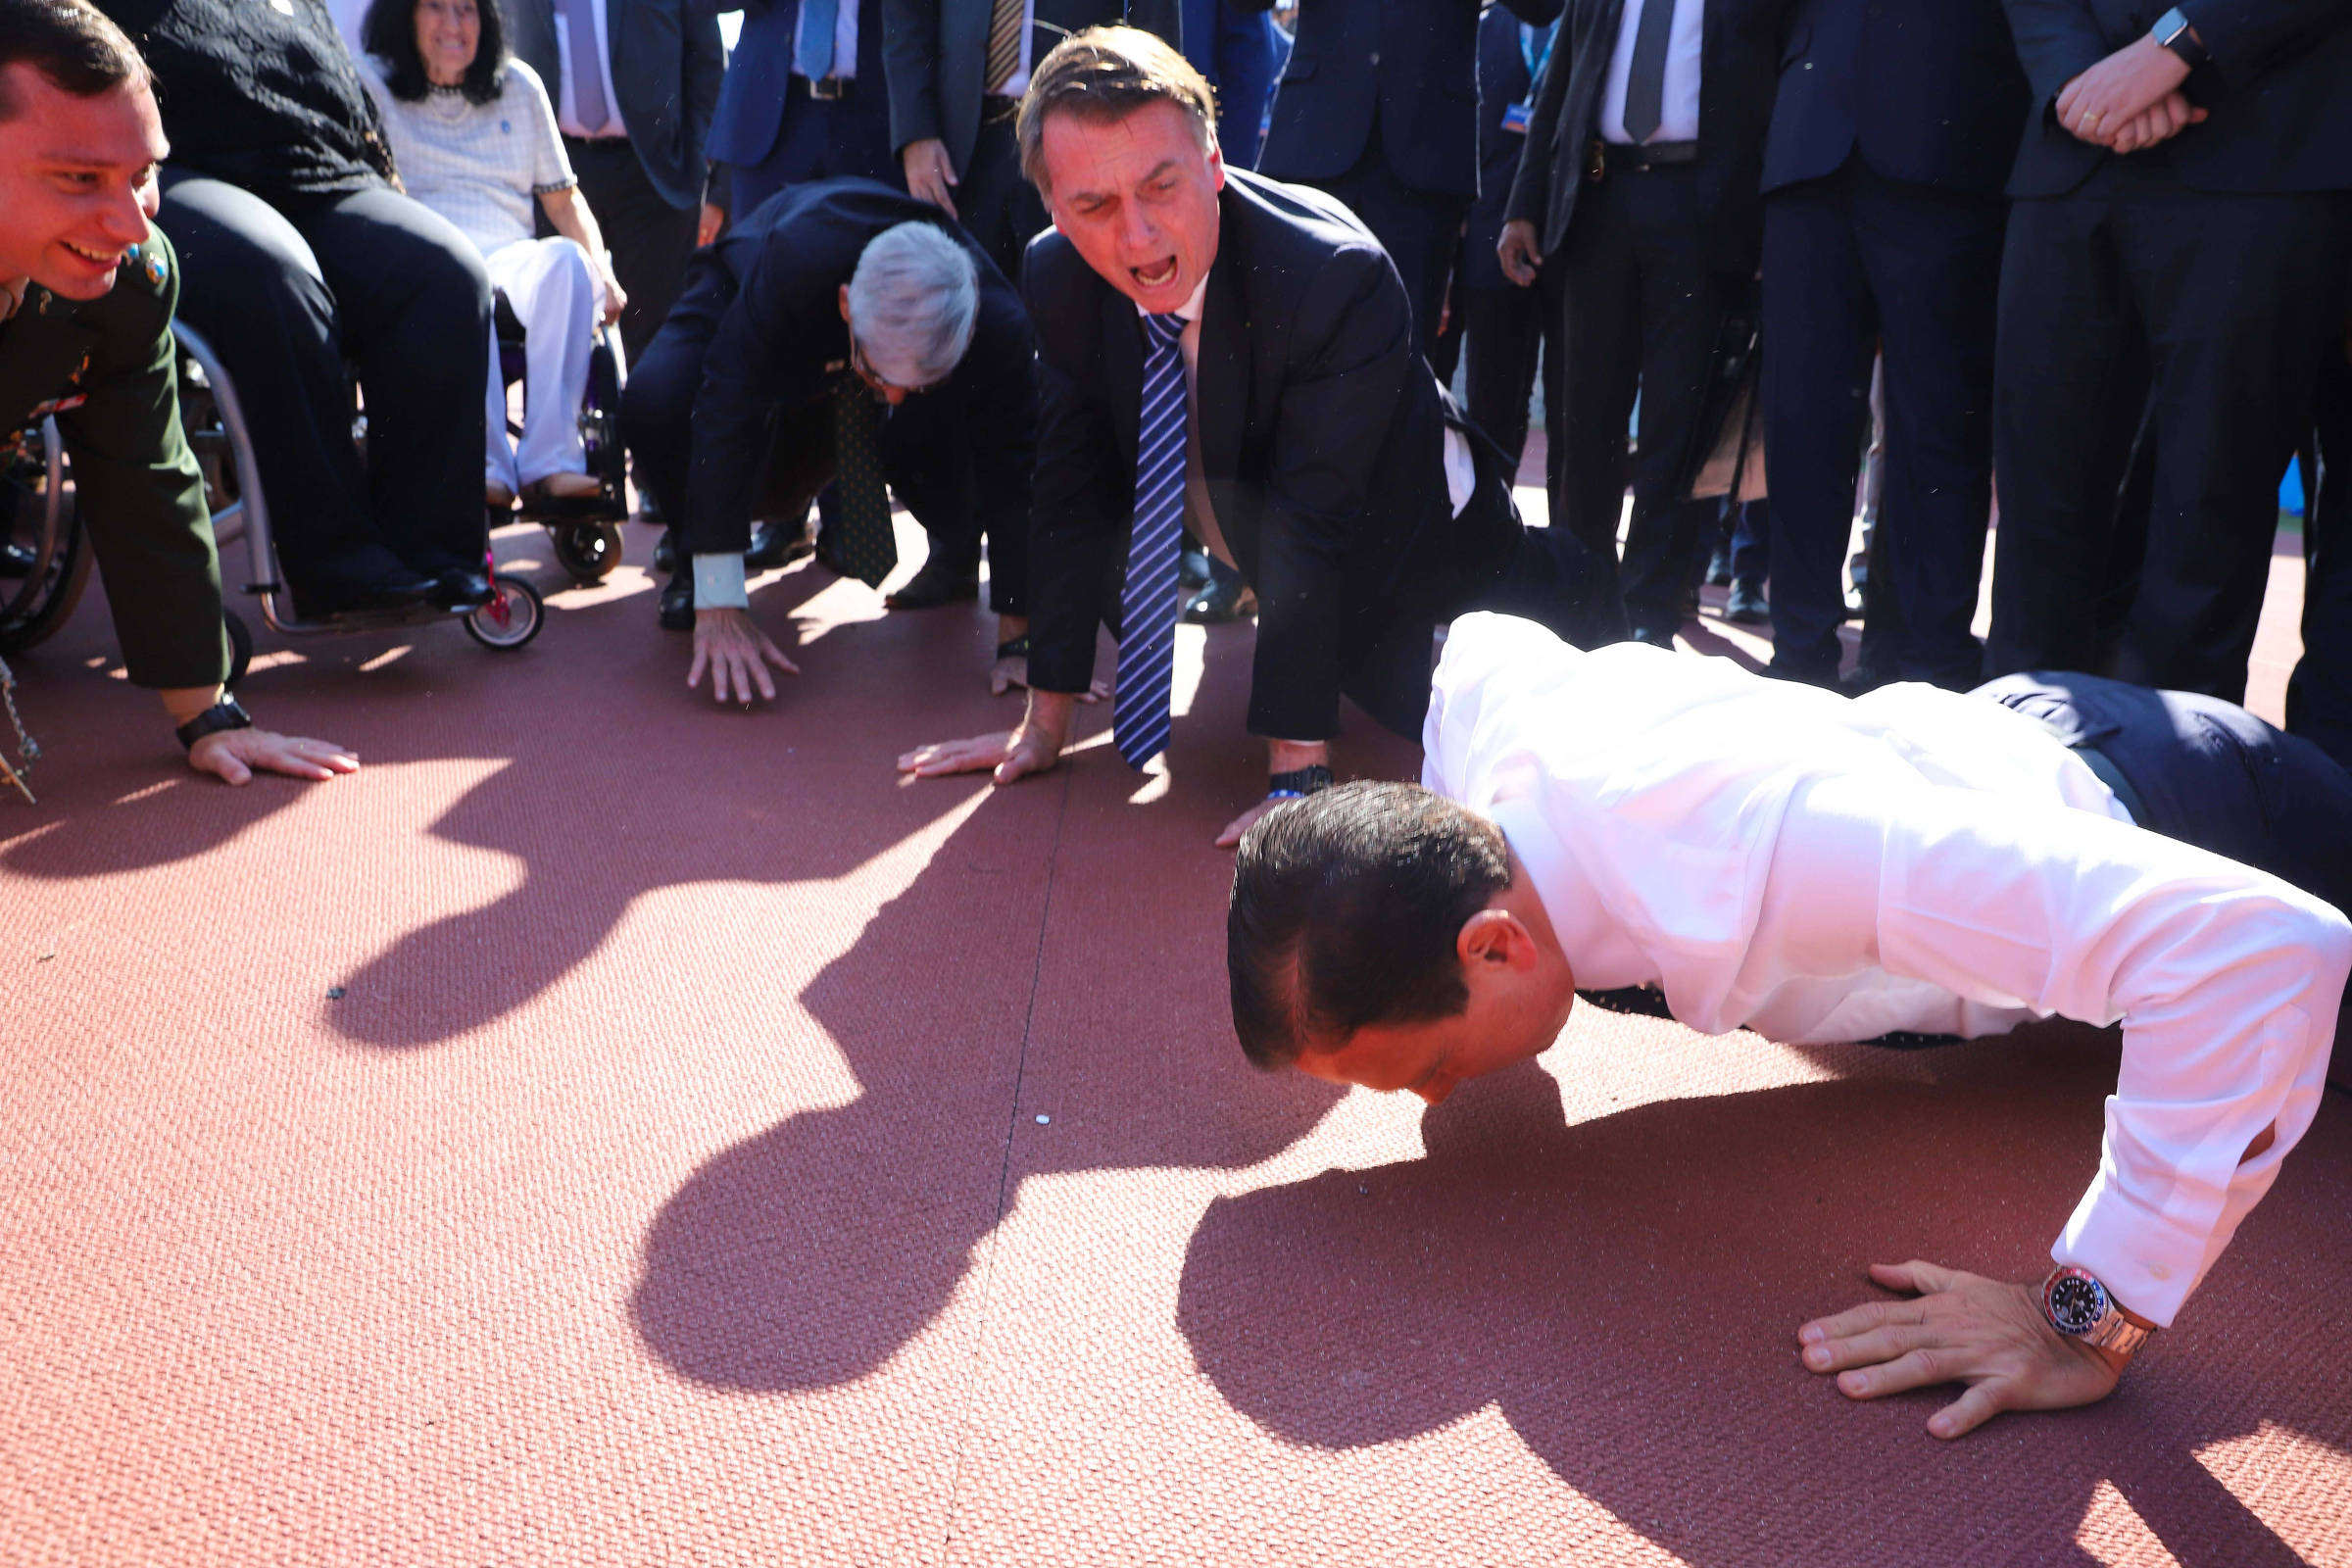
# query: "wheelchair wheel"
[589,551]
[240,648]
[49,550]
[511,618]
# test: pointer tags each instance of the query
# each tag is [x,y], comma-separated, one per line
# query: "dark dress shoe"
[1746,606]
[460,588]
[1719,569]
[936,584]
[1192,570]
[366,579]
[677,609]
[1655,636]
[777,544]
[1223,598]
[1862,679]
[1824,677]
[665,551]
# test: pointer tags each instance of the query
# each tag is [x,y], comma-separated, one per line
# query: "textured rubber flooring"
[722,1153]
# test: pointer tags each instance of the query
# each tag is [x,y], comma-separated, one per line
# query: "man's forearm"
[1288,757]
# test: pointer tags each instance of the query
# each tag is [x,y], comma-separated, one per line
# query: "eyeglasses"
[865,373]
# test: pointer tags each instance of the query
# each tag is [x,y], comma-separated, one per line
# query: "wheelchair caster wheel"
[589,551]
[511,618]
[240,648]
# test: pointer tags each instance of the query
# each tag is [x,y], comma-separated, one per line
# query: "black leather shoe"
[460,589]
[1719,569]
[777,544]
[676,609]
[1655,636]
[398,588]
[1824,677]
[936,584]
[1746,606]
[665,551]
[1192,570]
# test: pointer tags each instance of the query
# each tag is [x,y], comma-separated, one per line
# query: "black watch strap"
[222,715]
[1299,783]
[2173,32]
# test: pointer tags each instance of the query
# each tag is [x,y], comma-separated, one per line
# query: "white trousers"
[555,294]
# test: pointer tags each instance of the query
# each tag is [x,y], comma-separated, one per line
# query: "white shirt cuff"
[718,582]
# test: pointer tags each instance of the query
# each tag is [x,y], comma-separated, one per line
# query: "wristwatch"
[2173,32]
[222,715]
[2078,1305]
[1299,783]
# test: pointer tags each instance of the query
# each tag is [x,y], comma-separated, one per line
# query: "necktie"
[1139,713]
[587,70]
[1004,44]
[868,549]
[1645,83]
[815,48]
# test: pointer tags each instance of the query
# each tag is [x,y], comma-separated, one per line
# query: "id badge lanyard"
[1515,118]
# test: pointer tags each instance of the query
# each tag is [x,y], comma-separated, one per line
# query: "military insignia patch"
[157,269]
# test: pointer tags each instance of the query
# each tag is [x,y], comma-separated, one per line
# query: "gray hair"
[914,302]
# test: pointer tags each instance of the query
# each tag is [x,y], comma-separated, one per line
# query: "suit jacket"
[1734,106]
[1930,92]
[109,372]
[936,52]
[667,60]
[781,345]
[1321,439]
[2282,112]
[749,112]
[1408,67]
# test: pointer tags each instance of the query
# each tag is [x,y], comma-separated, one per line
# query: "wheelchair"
[585,532]
[44,551]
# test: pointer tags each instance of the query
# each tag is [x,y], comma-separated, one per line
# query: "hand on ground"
[1961,1328]
[1012,754]
[737,654]
[234,754]
[2100,103]
[1230,838]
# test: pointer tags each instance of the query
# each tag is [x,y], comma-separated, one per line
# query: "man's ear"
[1494,936]
[845,302]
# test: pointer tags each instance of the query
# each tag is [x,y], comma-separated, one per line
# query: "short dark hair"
[1104,73]
[1345,907]
[74,44]
[390,34]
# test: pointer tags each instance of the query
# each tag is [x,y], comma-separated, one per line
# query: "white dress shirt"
[845,46]
[1781,858]
[1679,113]
[567,114]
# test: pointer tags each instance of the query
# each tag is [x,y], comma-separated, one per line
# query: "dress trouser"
[820,138]
[554,291]
[2319,696]
[1853,261]
[1641,309]
[649,238]
[1419,230]
[1506,333]
[995,205]
[2207,772]
[2231,297]
[286,295]
[929,470]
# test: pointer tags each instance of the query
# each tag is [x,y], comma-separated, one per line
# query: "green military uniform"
[107,369]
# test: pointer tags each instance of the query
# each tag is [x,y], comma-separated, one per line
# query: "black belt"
[1616,157]
[996,105]
[826,90]
[622,140]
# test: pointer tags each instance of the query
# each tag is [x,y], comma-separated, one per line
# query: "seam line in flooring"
[1013,1125]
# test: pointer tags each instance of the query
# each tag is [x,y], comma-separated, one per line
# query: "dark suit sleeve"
[1163,17]
[1000,404]
[756,364]
[705,67]
[1352,349]
[2246,37]
[1082,496]
[2057,40]
[910,70]
[1531,187]
[141,495]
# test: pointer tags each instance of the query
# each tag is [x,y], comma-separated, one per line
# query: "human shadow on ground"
[1626,1293]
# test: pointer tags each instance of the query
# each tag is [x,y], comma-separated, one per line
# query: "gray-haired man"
[844,333]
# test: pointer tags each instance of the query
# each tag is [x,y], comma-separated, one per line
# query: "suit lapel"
[1123,366]
[1223,369]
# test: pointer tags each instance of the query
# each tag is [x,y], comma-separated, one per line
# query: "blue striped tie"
[1139,713]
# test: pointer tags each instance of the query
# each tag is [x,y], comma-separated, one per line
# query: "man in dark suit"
[634,129]
[1505,325]
[805,98]
[1639,186]
[1225,354]
[830,301]
[2183,203]
[958,68]
[1891,137]
[1379,107]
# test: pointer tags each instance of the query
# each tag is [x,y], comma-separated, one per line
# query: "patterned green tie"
[868,549]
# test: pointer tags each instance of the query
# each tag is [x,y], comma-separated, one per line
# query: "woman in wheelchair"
[475,139]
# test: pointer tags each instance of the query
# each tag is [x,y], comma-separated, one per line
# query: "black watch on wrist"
[222,715]
[2173,32]
[1299,783]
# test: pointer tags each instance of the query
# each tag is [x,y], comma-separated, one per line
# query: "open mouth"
[1159,274]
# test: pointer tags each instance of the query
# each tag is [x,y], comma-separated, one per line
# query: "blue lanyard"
[1528,52]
